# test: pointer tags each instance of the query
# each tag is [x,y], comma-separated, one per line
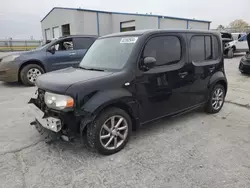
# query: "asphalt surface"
[190,151]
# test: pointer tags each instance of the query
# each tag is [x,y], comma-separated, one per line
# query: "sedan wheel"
[32,74]
[29,74]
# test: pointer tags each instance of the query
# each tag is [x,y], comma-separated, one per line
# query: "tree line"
[239,25]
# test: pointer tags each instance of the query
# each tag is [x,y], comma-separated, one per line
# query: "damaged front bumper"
[51,123]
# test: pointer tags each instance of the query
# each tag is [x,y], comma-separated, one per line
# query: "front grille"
[40,95]
[40,99]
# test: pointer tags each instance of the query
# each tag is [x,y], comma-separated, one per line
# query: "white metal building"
[71,21]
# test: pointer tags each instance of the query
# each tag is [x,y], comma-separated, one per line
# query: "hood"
[233,42]
[59,81]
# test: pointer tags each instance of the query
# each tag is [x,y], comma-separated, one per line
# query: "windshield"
[109,53]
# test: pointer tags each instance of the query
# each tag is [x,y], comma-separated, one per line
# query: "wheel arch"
[223,83]
[128,108]
[234,48]
[37,62]
[122,99]
[218,78]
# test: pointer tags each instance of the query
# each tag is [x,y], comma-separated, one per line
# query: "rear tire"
[29,73]
[109,132]
[216,99]
[230,53]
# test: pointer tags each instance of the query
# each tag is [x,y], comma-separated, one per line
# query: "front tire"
[230,53]
[110,131]
[29,74]
[216,99]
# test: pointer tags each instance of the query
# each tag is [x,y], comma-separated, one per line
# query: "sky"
[20,19]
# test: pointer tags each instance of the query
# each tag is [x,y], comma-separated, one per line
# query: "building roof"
[155,31]
[151,15]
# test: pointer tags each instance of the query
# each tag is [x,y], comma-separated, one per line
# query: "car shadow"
[79,148]
[245,74]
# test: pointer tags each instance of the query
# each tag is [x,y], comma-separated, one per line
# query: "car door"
[81,45]
[61,55]
[204,50]
[242,45]
[164,89]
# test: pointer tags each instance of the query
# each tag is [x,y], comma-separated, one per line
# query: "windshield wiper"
[93,69]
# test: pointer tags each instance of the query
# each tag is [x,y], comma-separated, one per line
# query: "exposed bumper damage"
[53,124]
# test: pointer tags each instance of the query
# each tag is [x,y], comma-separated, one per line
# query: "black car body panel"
[248,41]
[145,94]
[59,81]
[244,65]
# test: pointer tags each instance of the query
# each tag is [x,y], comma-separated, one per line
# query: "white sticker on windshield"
[129,40]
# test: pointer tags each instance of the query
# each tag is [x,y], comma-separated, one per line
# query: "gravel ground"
[190,151]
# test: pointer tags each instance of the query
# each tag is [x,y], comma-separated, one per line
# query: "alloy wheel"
[113,132]
[217,99]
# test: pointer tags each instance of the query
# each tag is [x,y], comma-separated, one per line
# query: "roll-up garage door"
[128,26]
[56,34]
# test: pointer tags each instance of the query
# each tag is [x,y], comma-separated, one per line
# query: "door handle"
[72,53]
[183,74]
[211,69]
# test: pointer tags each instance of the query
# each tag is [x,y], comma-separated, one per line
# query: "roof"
[87,36]
[155,31]
[109,12]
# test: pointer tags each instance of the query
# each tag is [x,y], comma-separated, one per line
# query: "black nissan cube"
[130,79]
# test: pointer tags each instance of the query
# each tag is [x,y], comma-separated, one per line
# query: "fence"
[19,45]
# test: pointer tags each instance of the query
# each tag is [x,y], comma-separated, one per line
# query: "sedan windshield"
[109,53]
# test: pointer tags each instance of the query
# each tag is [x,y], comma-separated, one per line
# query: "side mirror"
[52,49]
[149,62]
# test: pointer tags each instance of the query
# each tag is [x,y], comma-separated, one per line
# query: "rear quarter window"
[204,48]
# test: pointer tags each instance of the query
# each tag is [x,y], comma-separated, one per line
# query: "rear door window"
[83,43]
[197,48]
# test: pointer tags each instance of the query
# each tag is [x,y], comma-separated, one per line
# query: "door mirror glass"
[52,49]
[149,62]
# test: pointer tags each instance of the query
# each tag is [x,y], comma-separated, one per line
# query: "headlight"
[9,58]
[58,102]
